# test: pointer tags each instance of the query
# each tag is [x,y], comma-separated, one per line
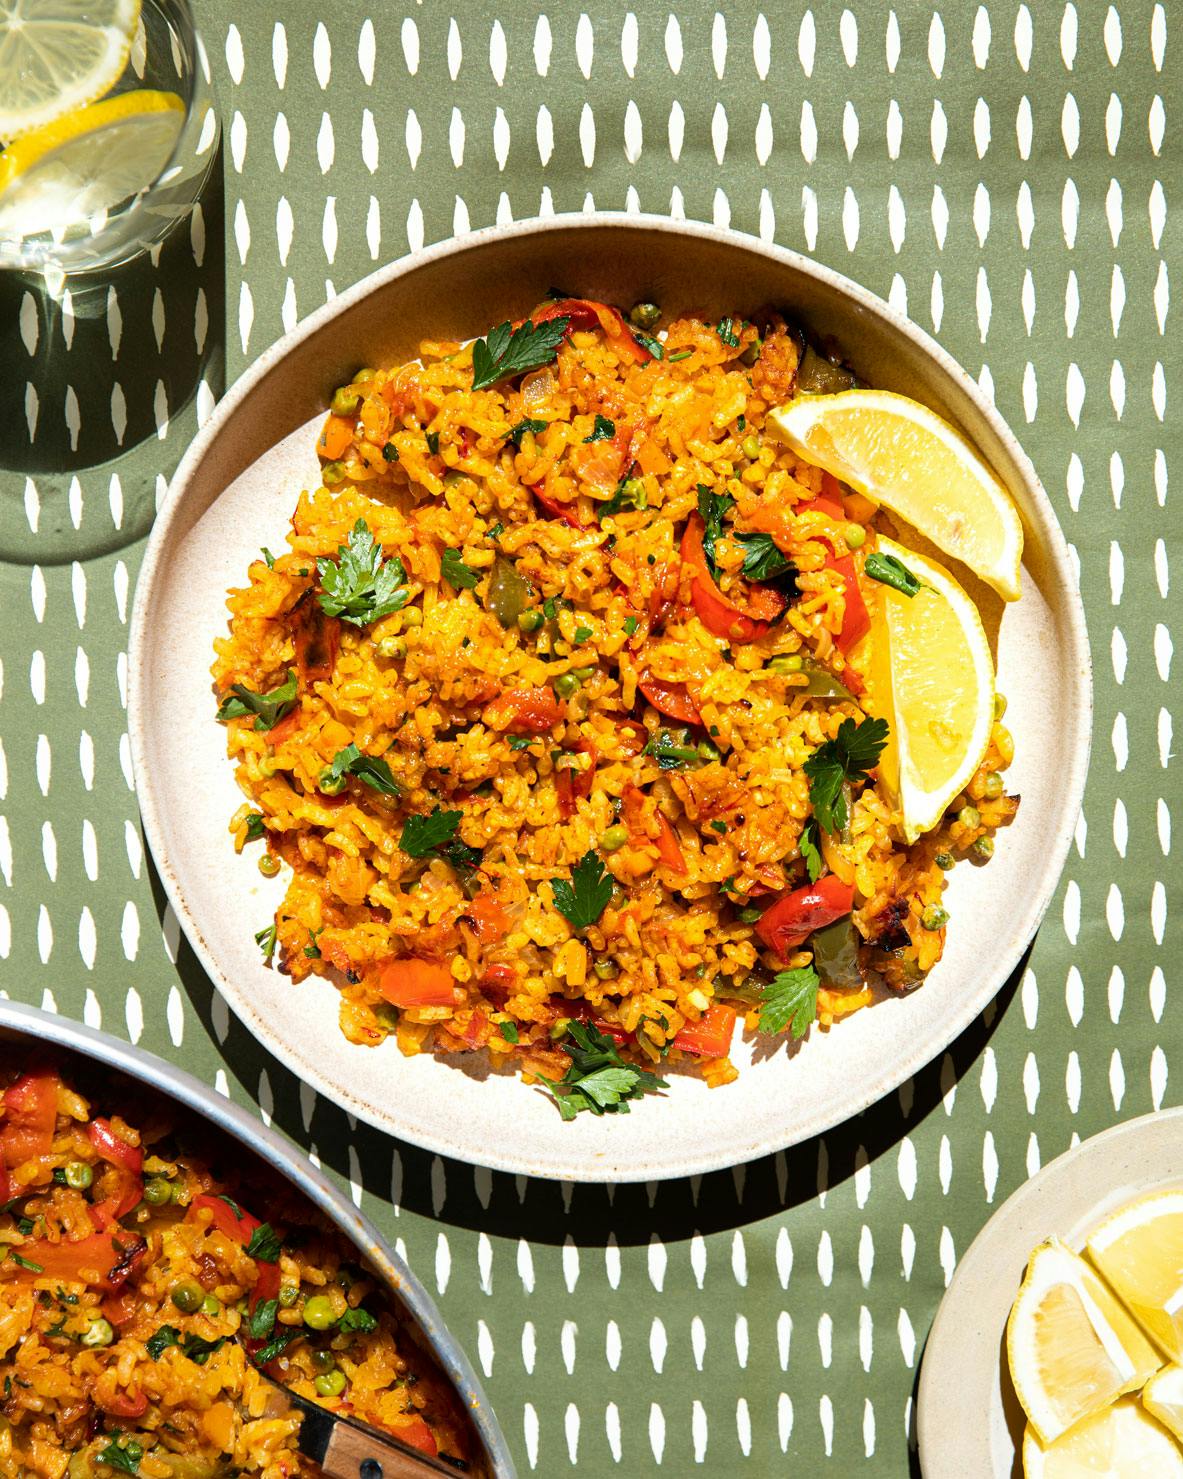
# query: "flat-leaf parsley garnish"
[599,1079]
[360,586]
[529,424]
[889,571]
[603,431]
[713,508]
[265,1244]
[421,834]
[268,708]
[763,559]
[807,847]
[508,351]
[790,1000]
[369,768]
[458,575]
[848,757]
[124,1460]
[585,897]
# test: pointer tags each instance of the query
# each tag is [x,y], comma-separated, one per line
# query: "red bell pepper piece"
[128,1160]
[228,1217]
[415,1434]
[719,613]
[489,919]
[710,1036]
[567,512]
[96,1254]
[575,785]
[30,1114]
[524,711]
[417,983]
[668,847]
[583,313]
[671,699]
[795,916]
[855,623]
[125,1404]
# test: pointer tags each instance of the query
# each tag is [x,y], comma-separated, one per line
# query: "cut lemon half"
[58,55]
[1139,1250]
[64,174]
[933,681]
[1119,1442]
[899,453]
[1163,1396]
[1070,1346]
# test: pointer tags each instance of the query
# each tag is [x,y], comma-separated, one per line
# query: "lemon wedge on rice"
[1070,1346]
[932,679]
[65,173]
[1139,1250]
[1119,1442]
[900,454]
[1163,1396]
[58,55]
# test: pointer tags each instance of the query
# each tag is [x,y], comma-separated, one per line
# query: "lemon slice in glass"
[1139,1250]
[900,454]
[1163,1396]
[1119,1442]
[1070,1346]
[57,55]
[932,679]
[64,174]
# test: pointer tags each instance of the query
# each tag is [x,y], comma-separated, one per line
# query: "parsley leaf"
[360,586]
[458,575]
[275,1346]
[421,834]
[790,1000]
[198,1350]
[255,827]
[521,741]
[630,493]
[655,347]
[516,433]
[261,1322]
[889,571]
[603,431]
[807,846]
[713,508]
[369,768]
[268,708]
[598,1080]
[125,1460]
[585,897]
[268,556]
[725,329]
[457,854]
[265,940]
[433,442]
[265,1244]
[669,754]
[763,559]
[389,452]
[509,1031]
[508,351]
[157,1344]
[849,757]
[358,1319]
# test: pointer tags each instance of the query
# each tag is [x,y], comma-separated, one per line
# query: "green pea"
[969,816]
[332,472]
[934,917]
[318,1312]
[751,448]
[993,785]
[983,848]
[188,1296]
[211,1305]
[324,1361]
[999,705]
[566,684]
[612,839]
[345,402]
[387,1015]
[707,751]
[157,1191]
[788,663]
[268,865]
[330,784]
[645,315]
[855,536]
[530,621]
[750,914]
[134,1450]
[412,617]
[330,1383]
[584,674]
[181,1195]
[944,861]
[99,1332]
[606,970]
[363,377]
[78,1175]
[288,1294]
[392,647]
[558,1030]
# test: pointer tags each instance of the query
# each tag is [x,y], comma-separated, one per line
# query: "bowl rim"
[1076,657]
[292,1162]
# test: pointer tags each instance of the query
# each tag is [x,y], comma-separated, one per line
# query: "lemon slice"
[57,55]
[1119,1442]
[1071,1347]
[1163,1396]
[69,171]
[900,454]
[1140,1251]
[932,679]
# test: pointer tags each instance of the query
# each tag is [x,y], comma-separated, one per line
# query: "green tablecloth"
[1000,171]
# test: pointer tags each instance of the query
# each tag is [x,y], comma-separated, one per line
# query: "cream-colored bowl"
[235,491]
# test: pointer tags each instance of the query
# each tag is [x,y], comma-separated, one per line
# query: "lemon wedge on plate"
[932,679]
[900,454]
[1071,1347]
[1119,1442]
[1139,1250]
[58,55]
[63,174]
[1163,1396]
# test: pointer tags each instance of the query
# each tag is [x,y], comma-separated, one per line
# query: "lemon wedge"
[58,55]
[1071,1347]
[932,679]
[900,454]
[67,172]
[1139,1250]
[1119,1442]
[1163,1396]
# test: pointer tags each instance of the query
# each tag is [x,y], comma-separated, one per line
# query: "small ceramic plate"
[969,1421]
[236,490]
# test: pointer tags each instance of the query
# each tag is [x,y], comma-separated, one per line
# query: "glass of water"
[109,126]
